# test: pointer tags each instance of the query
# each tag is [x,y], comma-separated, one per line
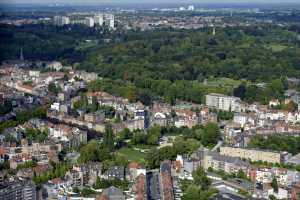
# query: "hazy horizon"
[144,1]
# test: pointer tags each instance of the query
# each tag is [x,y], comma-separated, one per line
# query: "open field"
[132,154]
[276,47]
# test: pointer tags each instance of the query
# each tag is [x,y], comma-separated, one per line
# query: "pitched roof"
[112,191]
[134,165]
[228,159]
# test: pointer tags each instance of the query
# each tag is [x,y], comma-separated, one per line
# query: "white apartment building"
[109,20]
[89,21]
[223,102]
[99,19]
[191,8]
[34,73]
[264,176]
[61,20]
[240,118]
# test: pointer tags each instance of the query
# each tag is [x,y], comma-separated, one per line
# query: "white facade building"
[89,21]
[109,20]
[34,73]
[223,102]
[264,176]
[191,7]
[281,194]
[99,19]
[55,65]
[240,118]
[55,106]
[61,20]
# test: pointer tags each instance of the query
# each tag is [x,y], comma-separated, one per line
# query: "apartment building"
[223,102]
[25,190]
[225,163]
[85,174]
[255,154]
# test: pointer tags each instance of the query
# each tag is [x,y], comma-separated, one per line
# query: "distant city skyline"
[141,1]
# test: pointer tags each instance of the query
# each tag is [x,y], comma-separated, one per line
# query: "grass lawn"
[276,47]
[86,44]
[143,146]
[132,155]
[226,84]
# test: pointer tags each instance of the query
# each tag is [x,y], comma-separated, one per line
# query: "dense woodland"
[45,42]
[253,53]
[290,144]
[167,63]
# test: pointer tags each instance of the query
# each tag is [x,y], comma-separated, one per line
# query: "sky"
[143,1]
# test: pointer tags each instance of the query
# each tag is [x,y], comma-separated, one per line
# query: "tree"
[108,111]
[200,178]
[108,139]
[291,106]
[52,87]
[183,146]
[66,78]
[145,97]
[93,107]
[240,91]
[93,151]
[138,138]
[85,192]
[152,139]
[274,184]
[192,144]
[167,153]
[102,183]
[211,134]
[225,115]
[36,135]
[276,142]
[252,93]
[121,160]
[83,101]
[192,193]
[125,134]
[241,174]
[76,190]
[153,135]
[152,158]
[5,107]
[275,89]
[89,152]
[284,82]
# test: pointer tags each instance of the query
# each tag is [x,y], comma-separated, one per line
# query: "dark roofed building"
[153,185]
[18,190]
[116,172]
[112,193]
[166,180]
[225,163]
